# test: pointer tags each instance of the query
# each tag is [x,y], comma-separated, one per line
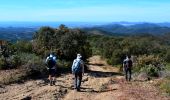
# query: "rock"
[141,77]
[65,91]
[40,82]
[85,79]
[26,98]
[151,81]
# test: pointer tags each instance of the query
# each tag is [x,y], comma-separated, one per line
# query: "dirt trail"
[102,82]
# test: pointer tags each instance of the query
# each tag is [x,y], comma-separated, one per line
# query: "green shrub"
[33,64]
[167,67]
[35,69]
[68,41]
[22,46]
[16,61]
[151,64]
[165,86]
[149,59]
[2,63]
[167,56]
[151,70]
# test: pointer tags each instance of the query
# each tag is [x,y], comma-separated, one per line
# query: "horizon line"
[87,21]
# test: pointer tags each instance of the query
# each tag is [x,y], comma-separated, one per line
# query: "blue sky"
[85,10]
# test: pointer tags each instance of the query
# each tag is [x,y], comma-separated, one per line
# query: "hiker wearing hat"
[78,71]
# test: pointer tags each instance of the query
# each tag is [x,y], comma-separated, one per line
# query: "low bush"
[167,56]
[22,46]
[150,64]
[2,63]
[165,85]
[150,70]
[34,69]
[33,65]
[16,61]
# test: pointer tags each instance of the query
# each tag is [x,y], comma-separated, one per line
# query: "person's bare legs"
[53,80]
[50,79]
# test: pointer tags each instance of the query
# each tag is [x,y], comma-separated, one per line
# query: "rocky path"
[102,82]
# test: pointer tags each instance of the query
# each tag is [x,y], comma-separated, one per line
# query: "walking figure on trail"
[127,65]
[51,66]
[78,71]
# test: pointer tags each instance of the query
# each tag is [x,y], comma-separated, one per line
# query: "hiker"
[78,71]
[51,66]
[127,65]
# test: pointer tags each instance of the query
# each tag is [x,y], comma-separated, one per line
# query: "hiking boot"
[78,90]
[53,82]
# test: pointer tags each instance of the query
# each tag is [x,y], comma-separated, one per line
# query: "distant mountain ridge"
[126,28]
[26,31]
[74,24]
[163,24]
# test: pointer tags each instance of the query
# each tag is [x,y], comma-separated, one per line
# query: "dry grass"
[11,76]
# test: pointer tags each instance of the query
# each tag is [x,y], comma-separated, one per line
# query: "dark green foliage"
[10,57]
[152,71]
[150,64]
[151,52]
[63,41]
[16,61]
[2,63]
[22,46]
[44,36]
[115,48]
[167,56]
[4,55]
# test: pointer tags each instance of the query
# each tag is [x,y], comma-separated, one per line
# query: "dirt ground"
[102,82]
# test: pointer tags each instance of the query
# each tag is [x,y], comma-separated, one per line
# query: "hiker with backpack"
[51,66]
[127,66]
[78,71]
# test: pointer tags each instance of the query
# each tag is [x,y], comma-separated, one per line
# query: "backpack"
[77,66]
[51,62]
[128,63]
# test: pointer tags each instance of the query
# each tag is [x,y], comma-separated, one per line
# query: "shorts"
[52,72]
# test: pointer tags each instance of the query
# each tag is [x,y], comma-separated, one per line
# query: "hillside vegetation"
[24,60]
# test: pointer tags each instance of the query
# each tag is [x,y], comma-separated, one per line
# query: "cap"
[79,56]
[51,55]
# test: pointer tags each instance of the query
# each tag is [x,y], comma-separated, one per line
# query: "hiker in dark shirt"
[51,66]
[127,65]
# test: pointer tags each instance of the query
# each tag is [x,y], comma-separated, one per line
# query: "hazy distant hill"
[129,29]
[16,33]
[51,24]
[163,24]
[26,31]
